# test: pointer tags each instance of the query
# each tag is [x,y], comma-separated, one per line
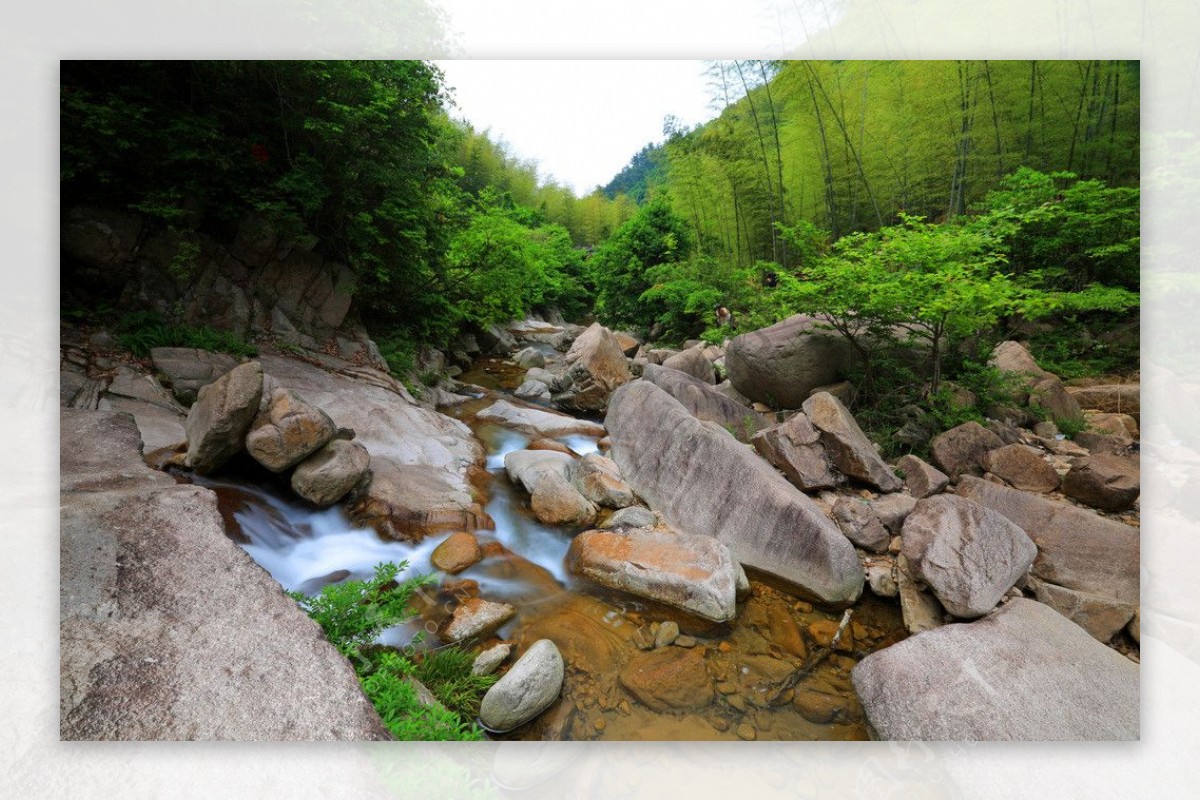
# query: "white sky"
[580,120]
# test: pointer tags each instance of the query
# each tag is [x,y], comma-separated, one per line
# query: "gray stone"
[287,431]
[532,390]
[961,449]
[530,357]
[328,475]
[1104,481]
[705,402]
[525,467]
[157,604]
[185,370]
[475,617]
[526,690]
[689,571]
[881,577]
[217,423]
[599,480]
[779,365]
[487,661]
[595,367]
[632,517]
[859,523]
[538,422]
[1077,548]
[921,478]
[694,363]
[1022,673]
[1100,616]
[893,509]
[794,448]
[555,501]
[968,554]
[667,634]
[847,445]
[705,481]
[1022,467]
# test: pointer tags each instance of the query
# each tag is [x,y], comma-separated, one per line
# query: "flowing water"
[724,686]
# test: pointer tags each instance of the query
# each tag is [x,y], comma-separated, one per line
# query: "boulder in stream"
[692,572]
[538,422]
[217,423]
[287,431]
[706,482]
[328,475]
[529,687]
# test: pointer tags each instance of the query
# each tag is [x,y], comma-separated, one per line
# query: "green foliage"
[390,689]
[655,237]
[142,331]
[354,613]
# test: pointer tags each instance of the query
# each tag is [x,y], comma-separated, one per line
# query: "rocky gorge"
[643,542]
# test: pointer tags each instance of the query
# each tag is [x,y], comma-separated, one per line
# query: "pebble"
[724,647]
[746,732]
[721,724]
[599,724]
[802,606]
[737,702]
[684,641]
[667,633]
[726,688]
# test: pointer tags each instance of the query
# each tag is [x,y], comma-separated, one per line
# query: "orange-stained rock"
[669,679]
[456,553]
[694,573]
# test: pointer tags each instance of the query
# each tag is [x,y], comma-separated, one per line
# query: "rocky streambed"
[646,553]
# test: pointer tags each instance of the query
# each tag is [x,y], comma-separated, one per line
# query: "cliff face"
[258,284]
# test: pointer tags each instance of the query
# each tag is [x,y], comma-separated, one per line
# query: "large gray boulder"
[328,475]
[967,554]
[963,448]
[526,467]
[1104,480]
[1077,548]
[692,572]
[1101,617]
[217,422]
[287,431]
[847,445]
[1040,388]
[596,366]
[781,364]
[692,362]
[1022,467]
[529,687]
[705,482]
[599,480]
[157,605]
[921,478]
[794,448]
[1023,672]
[704,401]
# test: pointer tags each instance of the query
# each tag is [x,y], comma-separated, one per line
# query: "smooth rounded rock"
[529,687]
[329,474]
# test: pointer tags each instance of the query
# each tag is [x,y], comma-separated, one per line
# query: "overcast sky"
[581,121]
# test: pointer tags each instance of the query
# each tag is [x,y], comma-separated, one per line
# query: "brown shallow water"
[724,686]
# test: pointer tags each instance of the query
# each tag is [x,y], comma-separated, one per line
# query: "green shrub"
[141,331]
[354,613]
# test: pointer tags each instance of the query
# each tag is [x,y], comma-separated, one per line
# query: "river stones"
[530,357]
[848,447]
[1100,616]
[487,661]
[893,509]
[529,687]
[669,679]
[706,482]
[694,363]
[1022,467]
[217,422]
[632,517]
[921,478]
[599,480]
[962,448]
[532,390]
[596,366]
[329,474]
[860,524]
[525,467]
[556,502]
[781,364]
[186,370]
[691,572]
[475,617]
[538,422]
[1077,548]
[705,402]
[1023,672]
[1104,481]
[967,554]
[456,553]
[287,431]
[795,449]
